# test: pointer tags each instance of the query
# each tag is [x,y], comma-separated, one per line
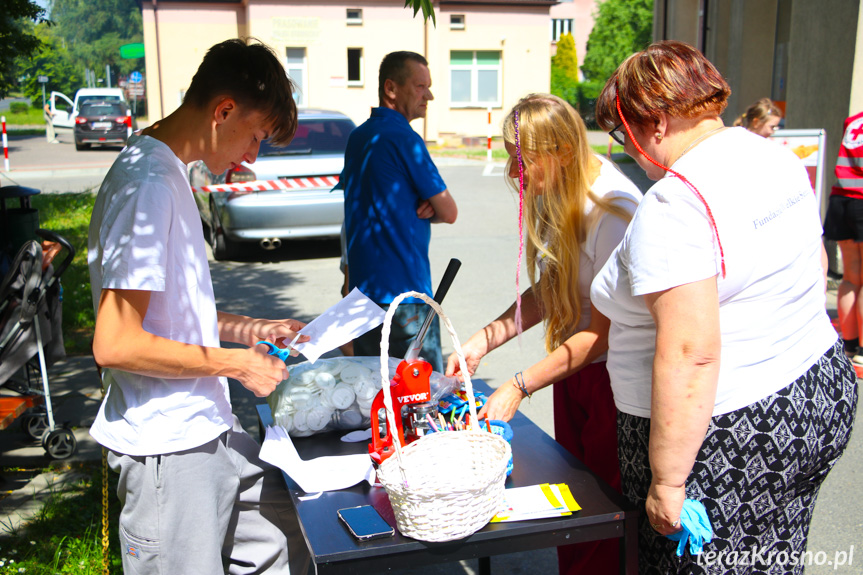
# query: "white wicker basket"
[449,484]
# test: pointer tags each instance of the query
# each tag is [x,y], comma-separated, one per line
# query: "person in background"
[577,205]
[730,382]
[761,118]
[195,496]
[844,225]
[393,193]
[50,135]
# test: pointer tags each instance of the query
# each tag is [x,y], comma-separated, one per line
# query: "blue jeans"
[407,321]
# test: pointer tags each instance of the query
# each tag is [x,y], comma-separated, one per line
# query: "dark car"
[286,194]
[102,122]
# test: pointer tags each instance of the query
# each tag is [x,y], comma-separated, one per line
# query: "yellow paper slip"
[536,502]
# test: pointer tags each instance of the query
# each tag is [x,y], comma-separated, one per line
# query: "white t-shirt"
[146,234]
[604,231]
[772,313]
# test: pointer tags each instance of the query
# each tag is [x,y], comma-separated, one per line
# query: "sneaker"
[857,359]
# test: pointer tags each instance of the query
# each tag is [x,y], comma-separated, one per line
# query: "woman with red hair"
[731,385]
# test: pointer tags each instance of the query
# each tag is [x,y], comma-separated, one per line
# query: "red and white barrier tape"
[285,184]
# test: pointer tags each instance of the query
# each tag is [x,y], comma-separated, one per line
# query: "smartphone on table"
[365,523]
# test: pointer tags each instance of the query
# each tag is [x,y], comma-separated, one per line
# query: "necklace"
[699,138]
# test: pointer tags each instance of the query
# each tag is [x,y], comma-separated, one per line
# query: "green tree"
[564,70]
[52,60]
[16,38]
[425,5]
[94,30]
[620,28]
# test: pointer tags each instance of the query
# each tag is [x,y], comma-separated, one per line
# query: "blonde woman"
[761,118]
[576,206]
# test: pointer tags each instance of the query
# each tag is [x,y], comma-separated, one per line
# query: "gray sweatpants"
[214,509]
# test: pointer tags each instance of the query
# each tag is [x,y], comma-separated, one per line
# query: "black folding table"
[537,458]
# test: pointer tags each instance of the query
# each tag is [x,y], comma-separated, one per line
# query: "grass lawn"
[32,116]
[66,535]
[69,216]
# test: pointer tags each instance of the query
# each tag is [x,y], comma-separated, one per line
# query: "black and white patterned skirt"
[758,473]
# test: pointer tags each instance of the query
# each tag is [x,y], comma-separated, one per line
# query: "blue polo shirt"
[388,172]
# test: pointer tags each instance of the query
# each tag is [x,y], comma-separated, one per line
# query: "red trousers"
[585,423]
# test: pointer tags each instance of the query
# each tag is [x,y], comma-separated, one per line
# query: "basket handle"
[385,379]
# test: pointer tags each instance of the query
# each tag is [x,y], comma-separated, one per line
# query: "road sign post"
[43,80]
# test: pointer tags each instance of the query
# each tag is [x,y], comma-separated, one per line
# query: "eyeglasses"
[618,135]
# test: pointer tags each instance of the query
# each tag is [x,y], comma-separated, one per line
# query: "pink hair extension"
[684,180]
[518,324]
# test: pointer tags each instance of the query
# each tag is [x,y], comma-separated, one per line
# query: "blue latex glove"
[696,528]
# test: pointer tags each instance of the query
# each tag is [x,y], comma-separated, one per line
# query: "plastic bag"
[337,394]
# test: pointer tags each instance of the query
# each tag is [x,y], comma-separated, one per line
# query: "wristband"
[519,384]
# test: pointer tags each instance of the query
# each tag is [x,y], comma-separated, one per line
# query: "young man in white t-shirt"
[196,498]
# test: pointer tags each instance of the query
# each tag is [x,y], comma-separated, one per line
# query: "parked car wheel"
[79,146]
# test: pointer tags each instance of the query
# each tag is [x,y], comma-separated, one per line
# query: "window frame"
[474,68]
[553,28]
[455,25]
[356,20]
[361,81]
[302,99]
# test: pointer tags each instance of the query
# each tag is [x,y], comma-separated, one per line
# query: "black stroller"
[31,339]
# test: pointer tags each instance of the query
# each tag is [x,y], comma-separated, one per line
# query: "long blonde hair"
[560,169]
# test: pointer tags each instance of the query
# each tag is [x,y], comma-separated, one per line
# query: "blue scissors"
[282,354]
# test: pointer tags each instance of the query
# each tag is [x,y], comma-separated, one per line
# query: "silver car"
[286,194]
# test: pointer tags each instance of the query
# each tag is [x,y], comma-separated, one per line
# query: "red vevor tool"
[409,386]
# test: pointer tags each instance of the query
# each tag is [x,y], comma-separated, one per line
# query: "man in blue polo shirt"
[393,193]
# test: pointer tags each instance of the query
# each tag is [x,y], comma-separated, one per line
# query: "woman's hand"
[473,354]
[503,403]
[664,505]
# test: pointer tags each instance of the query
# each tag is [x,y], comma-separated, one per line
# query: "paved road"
[302,279]
[55,167]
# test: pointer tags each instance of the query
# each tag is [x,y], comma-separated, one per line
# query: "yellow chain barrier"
[106,543]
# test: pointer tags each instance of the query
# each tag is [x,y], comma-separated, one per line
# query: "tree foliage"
[94,30]
[16,38]
[620,28]
[564,69]
[425,5]
[51,60]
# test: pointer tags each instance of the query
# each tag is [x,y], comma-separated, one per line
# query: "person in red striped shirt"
[844,225]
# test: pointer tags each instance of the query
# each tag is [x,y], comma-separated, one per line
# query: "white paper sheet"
[353,316]
[321,474]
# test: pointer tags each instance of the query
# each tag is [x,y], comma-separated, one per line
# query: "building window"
[355,16]
[456,22]
[355,66]
[475,78]
[559,27]
[297,69]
